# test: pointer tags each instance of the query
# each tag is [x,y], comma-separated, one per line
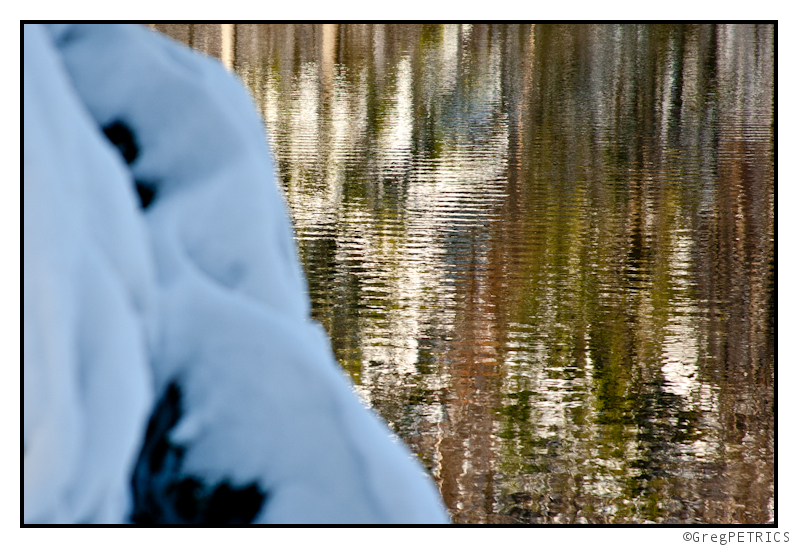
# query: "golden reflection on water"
[545,254]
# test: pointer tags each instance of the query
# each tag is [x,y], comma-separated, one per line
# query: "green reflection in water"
[545,254]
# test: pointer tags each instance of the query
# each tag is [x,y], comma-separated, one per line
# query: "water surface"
[544,253]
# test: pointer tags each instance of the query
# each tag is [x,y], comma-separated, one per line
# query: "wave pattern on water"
[545,254]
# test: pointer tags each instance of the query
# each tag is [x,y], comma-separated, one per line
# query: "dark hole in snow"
[122,138]
[228,504]
[164,495]
[146,193]
[187,494]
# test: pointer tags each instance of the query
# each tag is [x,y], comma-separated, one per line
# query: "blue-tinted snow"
[203,289]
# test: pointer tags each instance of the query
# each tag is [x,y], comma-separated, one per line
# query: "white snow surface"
[203,287]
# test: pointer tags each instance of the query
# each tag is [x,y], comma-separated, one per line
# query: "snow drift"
[172,373]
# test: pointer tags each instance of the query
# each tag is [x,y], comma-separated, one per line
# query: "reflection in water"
[545,254]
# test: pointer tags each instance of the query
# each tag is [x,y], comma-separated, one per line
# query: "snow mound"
[162,284]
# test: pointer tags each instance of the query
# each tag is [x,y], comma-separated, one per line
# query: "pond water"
[544,253]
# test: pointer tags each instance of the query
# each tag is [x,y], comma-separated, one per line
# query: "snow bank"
[201,290]
[89,283]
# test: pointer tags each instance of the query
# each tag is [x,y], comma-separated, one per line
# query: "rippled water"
[544,254]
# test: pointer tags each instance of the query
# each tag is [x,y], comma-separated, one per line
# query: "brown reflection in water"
[545,254]
[741,247]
